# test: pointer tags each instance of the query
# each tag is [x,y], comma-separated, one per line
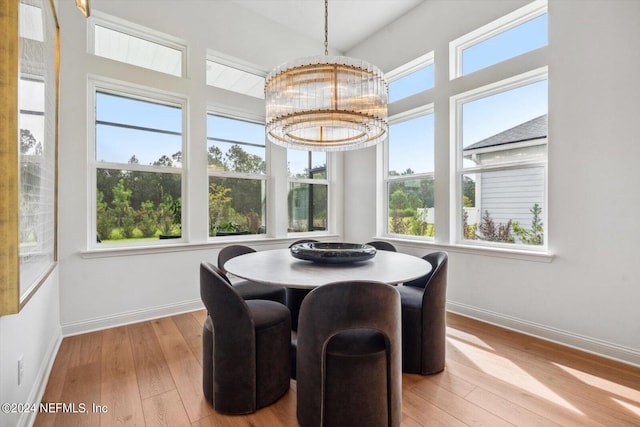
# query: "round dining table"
[279,268]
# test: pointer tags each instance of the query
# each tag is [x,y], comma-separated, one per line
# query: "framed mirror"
[28,149]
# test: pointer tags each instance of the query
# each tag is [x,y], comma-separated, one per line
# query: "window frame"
[135,92]
[404,116]
[458,170]
[511,20]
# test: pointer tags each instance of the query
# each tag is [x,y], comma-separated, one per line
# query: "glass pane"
[236,206]
[133,50]
[235,145]
[235,80]
[134,206]
[307,164]
[134,131]
[30,23]
[411,207]
[506,127]
[307,207]
[507,44]
[410,84]
[411,146]
[505,206]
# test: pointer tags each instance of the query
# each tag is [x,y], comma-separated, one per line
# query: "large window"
[502,161]
[138,167]
[493,191]
[237,176]
[308,190]
[410,177]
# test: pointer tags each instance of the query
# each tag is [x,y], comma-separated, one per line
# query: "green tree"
[398,200]
[147,219]
[219,206]
[469,190]
[105,221]
[240,161]
[535,235]
[124,214]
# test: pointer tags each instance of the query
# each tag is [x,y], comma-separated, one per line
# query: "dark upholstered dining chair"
[382,245]
[245,347]
[424,318]
[349,367]
[246,288]
[295,296]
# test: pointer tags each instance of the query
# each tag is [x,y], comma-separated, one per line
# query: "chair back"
[434,314]
[231,251]
[340,306]
[438,261]
[234,339]
[382,245]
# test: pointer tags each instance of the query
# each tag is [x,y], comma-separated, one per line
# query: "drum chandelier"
[326,103]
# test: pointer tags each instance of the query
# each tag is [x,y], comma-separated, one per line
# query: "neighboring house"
[510,194]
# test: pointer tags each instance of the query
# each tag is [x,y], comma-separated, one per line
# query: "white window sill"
[254,241]
[525,255]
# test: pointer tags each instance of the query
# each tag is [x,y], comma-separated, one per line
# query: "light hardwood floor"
[149,374]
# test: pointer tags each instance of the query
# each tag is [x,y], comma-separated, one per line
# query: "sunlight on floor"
[628,406]
[603,384]
[504,369]
[467,337]
[623,391]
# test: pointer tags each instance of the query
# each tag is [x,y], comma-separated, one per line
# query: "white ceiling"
[350,21]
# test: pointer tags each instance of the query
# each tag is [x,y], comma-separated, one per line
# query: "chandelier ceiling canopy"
[326,103]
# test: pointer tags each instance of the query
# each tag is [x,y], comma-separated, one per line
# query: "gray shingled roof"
[527,131]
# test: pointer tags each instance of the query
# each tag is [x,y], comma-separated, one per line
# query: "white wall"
[589,295]
[33,334]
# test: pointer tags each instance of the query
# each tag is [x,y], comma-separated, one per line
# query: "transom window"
[411,78]
[132,44]
[232,76]
[514,34]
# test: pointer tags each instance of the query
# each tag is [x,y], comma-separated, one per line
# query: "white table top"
[279,268]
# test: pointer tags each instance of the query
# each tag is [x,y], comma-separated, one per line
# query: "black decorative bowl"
[333,253]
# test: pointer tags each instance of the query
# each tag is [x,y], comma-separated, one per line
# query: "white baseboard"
[120,319]
[590,345]
[42,378]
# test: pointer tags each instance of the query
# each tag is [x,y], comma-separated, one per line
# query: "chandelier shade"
[326,103]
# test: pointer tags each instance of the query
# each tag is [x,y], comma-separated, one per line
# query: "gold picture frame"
[28,155]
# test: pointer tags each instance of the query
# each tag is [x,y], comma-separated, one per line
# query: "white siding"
[510,194]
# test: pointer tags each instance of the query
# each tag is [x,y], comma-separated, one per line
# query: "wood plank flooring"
[149,374]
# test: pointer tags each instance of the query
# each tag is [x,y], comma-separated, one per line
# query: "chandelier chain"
[326,27]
